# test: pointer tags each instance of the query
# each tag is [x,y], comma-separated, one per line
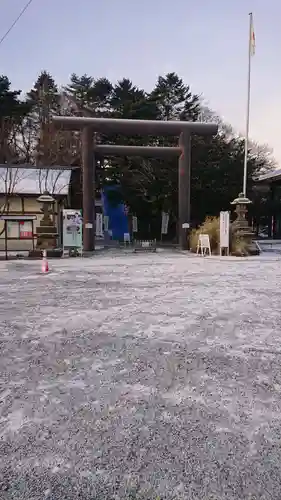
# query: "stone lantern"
[241,225]
[47,233]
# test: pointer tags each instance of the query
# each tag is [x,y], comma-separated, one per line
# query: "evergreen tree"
[90,95]
[174,99]
[44,96]
[12,111]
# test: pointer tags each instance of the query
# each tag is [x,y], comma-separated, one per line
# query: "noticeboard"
[72,229]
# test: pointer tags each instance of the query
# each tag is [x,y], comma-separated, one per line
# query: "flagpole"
[248,105]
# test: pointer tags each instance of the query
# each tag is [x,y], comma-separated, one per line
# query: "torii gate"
[90,126]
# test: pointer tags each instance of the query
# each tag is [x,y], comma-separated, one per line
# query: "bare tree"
[11,155]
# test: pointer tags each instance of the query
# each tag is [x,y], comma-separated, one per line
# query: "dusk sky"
[204,41]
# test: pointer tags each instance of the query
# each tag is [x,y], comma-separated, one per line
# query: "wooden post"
[184,190]
[88,182]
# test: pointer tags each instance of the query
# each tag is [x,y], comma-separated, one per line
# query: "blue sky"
[204,41]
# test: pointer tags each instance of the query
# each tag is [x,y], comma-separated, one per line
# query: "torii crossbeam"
[90,126]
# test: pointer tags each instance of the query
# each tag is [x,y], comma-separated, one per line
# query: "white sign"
[12,229]
[88,225]
[203,245]
[72,229]
[165,223]
[126,237]
[99,223]
[224,231]
[106,222]
[145,244]
[135,224]
[186,225]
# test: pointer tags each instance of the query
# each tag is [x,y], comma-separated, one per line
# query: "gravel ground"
[141,376]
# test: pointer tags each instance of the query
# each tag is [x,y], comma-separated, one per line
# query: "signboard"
[26,229]
[203,245]
[135,224]
[165,223]
[72,229]
[224,231]
[186,225]
[99,224]
[145,244]
[12,229]
[127,238]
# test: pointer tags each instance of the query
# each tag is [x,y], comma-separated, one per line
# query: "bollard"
[45,264]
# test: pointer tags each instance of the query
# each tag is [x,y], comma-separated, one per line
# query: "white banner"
[165,223]
[106,222]
[224,230]
[135,224]
[99,223]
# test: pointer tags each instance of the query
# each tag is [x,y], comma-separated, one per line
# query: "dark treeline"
[147,186]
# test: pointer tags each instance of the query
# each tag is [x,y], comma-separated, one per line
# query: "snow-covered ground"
[158,374]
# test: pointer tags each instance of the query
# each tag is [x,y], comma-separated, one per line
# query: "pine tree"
[12,111]
[174,99]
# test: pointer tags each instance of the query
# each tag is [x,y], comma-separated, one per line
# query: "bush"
[211,226]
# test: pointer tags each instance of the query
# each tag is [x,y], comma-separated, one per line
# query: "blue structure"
[117,217]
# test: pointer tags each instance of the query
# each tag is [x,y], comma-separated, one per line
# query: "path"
[158,374]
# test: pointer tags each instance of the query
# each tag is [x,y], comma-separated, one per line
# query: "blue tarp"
[117,218]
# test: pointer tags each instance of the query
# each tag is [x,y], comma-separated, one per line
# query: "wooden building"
[19,190]
[270,183]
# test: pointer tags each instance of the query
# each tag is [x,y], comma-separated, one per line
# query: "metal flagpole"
[251,53]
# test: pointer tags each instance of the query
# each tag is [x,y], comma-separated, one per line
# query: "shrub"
[211,226]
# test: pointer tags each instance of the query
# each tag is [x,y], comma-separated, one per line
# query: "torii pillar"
[88,185]
[184,182]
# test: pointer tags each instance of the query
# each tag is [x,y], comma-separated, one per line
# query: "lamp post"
[47,233]
[47,207]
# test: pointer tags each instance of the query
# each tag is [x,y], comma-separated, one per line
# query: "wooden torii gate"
[90,126]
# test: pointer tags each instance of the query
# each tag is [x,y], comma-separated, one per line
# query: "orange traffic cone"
[45,265]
